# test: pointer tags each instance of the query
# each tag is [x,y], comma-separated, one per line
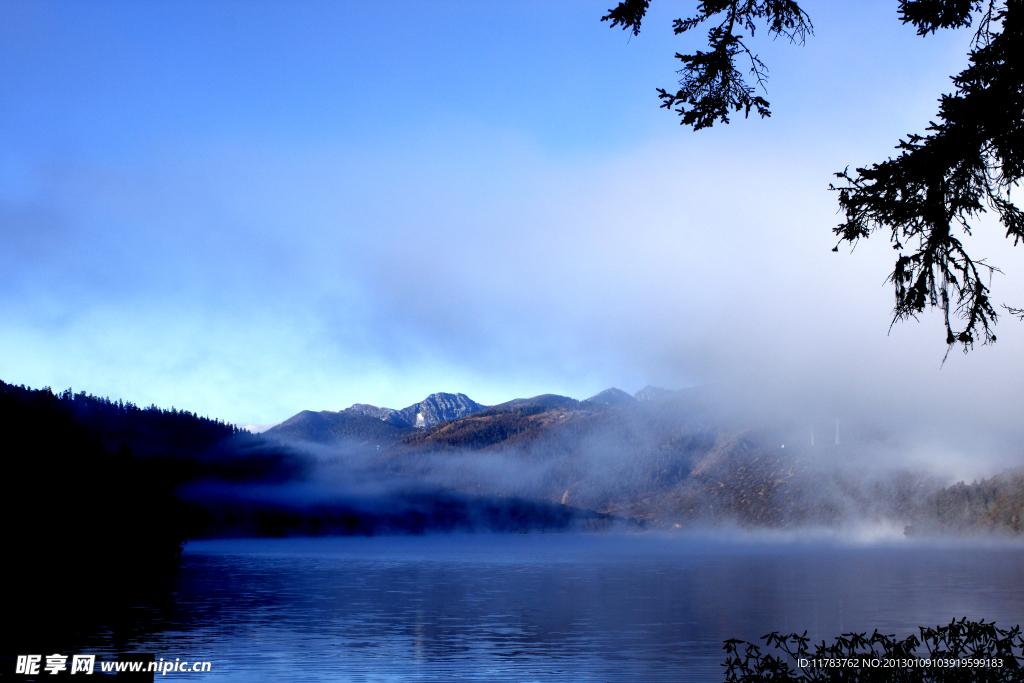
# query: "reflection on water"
[552,607]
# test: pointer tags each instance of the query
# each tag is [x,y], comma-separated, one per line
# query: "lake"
[553,607]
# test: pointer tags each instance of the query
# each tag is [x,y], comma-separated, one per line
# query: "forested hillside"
[676,459]
[84,525]
[994,504]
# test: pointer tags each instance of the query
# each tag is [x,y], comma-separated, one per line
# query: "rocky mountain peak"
[440,407]
[613,396]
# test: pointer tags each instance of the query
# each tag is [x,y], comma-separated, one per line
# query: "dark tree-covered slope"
[83,525]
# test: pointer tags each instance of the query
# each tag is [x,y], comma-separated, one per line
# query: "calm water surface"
[595,608]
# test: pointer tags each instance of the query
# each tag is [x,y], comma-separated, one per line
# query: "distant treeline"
[151,431]
[993,504]
[67,493]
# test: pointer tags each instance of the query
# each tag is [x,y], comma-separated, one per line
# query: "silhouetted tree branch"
[965,166]
[712,86]
[940,183]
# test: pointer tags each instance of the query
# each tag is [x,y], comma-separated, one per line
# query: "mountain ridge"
[354,422]
[365,422]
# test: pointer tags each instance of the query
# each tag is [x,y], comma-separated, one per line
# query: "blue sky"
[251,208]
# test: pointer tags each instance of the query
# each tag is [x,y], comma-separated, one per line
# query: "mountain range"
[658,457]
[363,422]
